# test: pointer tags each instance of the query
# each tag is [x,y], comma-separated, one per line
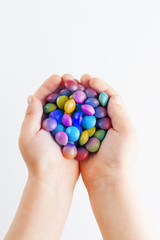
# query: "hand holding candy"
[78,112]
[41,154]
[119,148]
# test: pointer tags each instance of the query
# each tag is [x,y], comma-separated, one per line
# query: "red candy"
[104,123]
[71,85]
[82,154]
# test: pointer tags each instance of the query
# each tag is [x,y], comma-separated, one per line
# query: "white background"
[118,41]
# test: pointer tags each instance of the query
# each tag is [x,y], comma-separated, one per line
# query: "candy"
[61,100]
[79,96]
[71,85]
[69,151]
[49,107]
[77,118]
[100,134]
[88,122]
[91,93]
[83,138]
[57,115]
[104,123]
[100,112]
[103,99]
[82,154]
[93,102]
[88,109]
[73,133]
[61,138]
[65,92]
[70,106]
[52,97]
[59,128]
[91,131]
[49,124]
[93,144]
[67,120]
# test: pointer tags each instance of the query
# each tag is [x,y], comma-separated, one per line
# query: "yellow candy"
[61,100]
[71,96]
[84,137]
[91,131]
[70,106]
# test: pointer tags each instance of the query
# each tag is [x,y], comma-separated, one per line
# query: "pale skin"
[108,175]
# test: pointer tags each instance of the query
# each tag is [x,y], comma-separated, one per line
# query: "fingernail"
[29,100]
[117,100]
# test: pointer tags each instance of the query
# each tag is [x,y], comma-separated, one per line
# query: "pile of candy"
[77,119]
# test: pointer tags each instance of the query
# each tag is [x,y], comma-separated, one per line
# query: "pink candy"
[88,109]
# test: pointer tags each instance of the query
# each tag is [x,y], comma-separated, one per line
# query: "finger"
[49,86]
[32,121]
[116,108]
[85,79]
[67,76]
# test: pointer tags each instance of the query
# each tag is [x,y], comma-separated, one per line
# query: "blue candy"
[59,128]
[92,101]
[77,118]
[65,92]
[79,127]
[103,99]
[88,122]
[57,115]
[73,133]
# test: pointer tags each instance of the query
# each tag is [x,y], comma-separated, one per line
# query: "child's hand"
[41,154]
[119,149]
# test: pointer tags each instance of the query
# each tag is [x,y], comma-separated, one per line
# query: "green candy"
[103,98]
[100,134]
[93,144]
[49,107]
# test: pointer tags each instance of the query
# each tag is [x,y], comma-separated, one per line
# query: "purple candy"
[61,138]
[104,123]
[49,124]
[79,96]
[92,101]
[52,97]
[67,120]
[88,109]
[91,93]
[100,112]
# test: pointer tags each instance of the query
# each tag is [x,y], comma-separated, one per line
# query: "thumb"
[118,113]
[32,120]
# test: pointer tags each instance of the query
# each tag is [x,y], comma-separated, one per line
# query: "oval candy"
[88,109]
[83,138]
[93,144]
[70,106]
[100,112]
[103,99]
[61,100]
[49,107]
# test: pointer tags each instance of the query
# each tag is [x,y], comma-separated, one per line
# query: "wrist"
[52,186]
[107,183]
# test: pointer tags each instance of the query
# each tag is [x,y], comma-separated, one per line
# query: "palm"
[92,167]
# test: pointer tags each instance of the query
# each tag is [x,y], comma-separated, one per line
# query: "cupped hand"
[118,152]
[41,153]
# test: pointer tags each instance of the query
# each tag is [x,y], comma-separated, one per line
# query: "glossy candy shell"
[69,151]
[82,153]
[93,144]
